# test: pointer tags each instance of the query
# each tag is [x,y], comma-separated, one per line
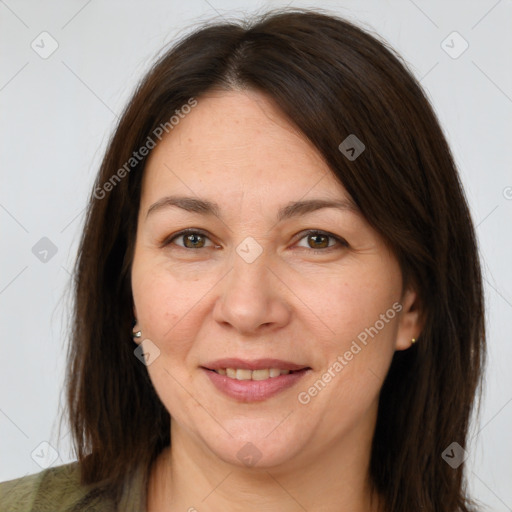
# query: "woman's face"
[265,280]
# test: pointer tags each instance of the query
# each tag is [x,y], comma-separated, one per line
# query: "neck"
[191,478]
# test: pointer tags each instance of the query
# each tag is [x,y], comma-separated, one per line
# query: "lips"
[251,381]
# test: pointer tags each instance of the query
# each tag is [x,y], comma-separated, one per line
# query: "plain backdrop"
[58,111]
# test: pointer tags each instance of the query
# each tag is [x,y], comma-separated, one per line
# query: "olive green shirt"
[58,489]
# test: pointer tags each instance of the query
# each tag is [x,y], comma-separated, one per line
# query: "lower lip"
[254,390]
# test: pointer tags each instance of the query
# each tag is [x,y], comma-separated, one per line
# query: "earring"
[413,341]
[135,334]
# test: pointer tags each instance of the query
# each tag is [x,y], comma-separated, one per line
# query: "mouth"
[251,381]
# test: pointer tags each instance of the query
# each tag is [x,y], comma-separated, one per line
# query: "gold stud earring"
[413,340]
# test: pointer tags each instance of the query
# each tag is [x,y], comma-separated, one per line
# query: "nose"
[252,299]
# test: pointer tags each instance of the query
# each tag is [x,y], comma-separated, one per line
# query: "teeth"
[243,374]
[259,374]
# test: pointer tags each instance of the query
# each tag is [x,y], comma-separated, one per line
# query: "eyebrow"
[292,209]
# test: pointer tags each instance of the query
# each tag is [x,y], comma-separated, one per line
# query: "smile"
[253,380]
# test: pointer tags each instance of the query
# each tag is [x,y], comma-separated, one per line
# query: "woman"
[278,293]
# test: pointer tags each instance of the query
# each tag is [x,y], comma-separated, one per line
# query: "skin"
[298,301]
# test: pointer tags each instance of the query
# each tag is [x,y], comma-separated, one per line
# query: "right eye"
[190,238]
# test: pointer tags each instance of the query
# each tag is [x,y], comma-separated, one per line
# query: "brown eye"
[193,241]
[318,241]
[321,240]
[190,239]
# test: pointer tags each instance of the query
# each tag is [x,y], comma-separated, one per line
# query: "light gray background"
[57,114]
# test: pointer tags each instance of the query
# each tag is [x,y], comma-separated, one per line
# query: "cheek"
[167,310]
[357,304]
[361,314]
[346,388]
[165,300]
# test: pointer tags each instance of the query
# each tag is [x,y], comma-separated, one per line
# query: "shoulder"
[56,489]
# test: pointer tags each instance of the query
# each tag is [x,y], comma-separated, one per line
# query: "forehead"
[237,142]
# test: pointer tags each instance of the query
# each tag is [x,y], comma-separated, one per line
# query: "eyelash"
[305,234]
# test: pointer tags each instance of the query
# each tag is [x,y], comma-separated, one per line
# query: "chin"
[256,444]
[260,456]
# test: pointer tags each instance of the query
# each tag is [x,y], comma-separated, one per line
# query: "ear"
[409,323]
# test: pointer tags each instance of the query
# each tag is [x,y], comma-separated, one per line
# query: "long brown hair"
[331,79]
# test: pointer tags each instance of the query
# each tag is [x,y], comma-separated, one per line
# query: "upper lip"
[255,364]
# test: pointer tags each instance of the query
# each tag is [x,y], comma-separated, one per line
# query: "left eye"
[320,240]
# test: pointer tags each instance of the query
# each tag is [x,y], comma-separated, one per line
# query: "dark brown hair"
[331,79]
